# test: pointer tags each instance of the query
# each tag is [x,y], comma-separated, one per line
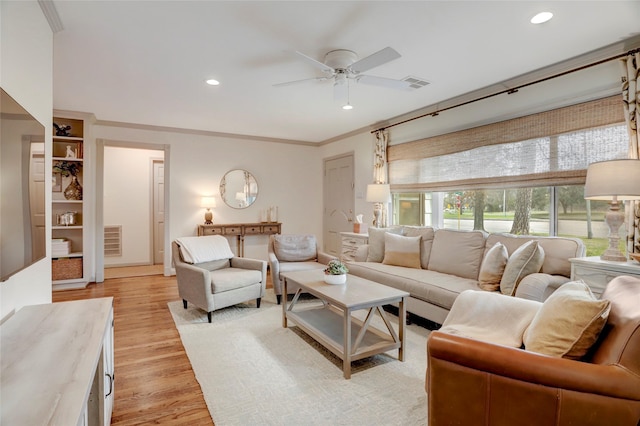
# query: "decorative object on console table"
[335,272]
[597,272]
[613,181]
[208,203]
[379,194]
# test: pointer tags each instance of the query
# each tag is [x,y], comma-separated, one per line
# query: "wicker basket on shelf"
[66,268]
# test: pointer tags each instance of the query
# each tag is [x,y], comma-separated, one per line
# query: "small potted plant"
[335,272]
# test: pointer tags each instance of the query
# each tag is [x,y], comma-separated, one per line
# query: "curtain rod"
[511,90]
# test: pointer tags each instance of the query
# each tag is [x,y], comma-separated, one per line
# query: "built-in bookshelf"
[67,204]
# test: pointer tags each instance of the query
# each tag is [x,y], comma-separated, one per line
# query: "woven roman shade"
[549,148]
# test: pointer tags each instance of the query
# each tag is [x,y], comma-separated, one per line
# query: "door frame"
[99,225]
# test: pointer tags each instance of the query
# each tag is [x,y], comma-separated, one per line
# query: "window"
[559,210]
[523,175]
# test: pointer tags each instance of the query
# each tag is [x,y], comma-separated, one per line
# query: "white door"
[158,212]
[36,192]
[338,201]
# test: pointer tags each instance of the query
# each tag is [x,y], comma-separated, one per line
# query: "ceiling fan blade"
[374,60]
[384,82]
[305,80]
[317,64]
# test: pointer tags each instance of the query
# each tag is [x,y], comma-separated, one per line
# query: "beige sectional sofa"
[449,262]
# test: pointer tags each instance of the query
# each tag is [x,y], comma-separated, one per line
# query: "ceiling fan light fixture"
[541,18]
[347,107]
[212,82]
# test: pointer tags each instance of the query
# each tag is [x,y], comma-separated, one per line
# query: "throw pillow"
[527,259]
[376,242]
[295,248]
[492,267]
[457,253]
[568,323]
[401,251]
[427,233]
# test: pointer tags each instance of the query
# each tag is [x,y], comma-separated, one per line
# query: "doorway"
[338,201]
[131,210]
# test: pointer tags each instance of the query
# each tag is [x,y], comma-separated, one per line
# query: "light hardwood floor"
[155,383]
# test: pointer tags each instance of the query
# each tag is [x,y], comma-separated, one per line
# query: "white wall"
[127,201]
[26,73]
[289,176]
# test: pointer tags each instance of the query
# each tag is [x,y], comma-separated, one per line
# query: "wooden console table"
[240,230]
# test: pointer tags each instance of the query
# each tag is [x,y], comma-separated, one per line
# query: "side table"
[597,272]
[350,241]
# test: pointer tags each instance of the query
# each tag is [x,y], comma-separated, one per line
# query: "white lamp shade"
[208,202]
[378,193]
[614,178]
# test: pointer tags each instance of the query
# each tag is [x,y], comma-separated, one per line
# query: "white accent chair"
[215,278]
[293,252]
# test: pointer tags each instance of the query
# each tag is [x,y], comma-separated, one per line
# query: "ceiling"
[146,62]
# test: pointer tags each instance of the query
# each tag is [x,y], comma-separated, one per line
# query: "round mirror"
[238,189]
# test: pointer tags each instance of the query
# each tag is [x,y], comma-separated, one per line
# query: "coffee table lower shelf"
[326,324]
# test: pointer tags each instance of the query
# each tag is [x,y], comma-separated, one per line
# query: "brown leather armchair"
[470,382]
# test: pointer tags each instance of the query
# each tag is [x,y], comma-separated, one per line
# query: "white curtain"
[631,98]
[380,157]
[380,167]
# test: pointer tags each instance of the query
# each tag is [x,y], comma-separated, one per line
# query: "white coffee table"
[332,324]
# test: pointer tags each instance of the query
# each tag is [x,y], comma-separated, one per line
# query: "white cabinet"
[597,272]
[56,364]
[350,242]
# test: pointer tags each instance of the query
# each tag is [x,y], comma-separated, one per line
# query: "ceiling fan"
[343,65]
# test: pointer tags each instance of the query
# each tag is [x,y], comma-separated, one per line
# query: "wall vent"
[416,82]
[113,240]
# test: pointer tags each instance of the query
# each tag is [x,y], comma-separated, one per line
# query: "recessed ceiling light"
[213,82]
[347,106]
[541,17]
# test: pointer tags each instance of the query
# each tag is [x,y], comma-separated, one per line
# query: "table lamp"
[379,194]
[613,181]
[208,203]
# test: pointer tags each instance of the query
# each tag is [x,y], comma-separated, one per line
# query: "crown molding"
[51,13]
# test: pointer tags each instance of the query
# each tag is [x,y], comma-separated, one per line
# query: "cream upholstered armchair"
[211,277]
[292,252]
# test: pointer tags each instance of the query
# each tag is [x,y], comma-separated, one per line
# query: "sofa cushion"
[300,266]
[232,278]
[490,317]
[568,323]
[457,252]
[557,250]
[295,248]
[376,242]
[433,287]
[427,233]
[492,267]
[401,251]
[527,259]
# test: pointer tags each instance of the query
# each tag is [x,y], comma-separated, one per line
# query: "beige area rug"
[252,371]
